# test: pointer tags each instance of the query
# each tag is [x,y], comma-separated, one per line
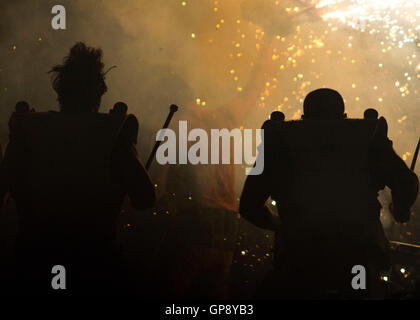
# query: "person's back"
[68,172]
[63,184]
[328,206]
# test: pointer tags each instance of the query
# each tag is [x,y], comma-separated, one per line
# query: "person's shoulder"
[132,117]
[131,120]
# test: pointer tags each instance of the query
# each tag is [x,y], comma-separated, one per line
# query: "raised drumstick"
[172,109]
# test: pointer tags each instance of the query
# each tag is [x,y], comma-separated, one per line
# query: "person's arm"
[394,173]
[252,205]
[134,177]
[256,191]
[404,184]
[131,128]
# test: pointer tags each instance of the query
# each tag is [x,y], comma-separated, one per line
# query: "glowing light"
[402,119]
[406,155]
[393,19]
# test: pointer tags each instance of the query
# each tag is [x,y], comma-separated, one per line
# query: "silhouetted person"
[324,172]
[370,114]
[68,172]
[131,123]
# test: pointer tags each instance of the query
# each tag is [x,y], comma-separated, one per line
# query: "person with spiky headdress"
[69,172]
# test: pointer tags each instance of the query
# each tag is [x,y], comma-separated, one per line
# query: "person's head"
[277,116]
[323,104]
[22,106]
[371,114]
[119,108]
[80,80]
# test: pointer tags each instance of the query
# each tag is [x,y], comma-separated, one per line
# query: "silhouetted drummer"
[68,172]
[324,172]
